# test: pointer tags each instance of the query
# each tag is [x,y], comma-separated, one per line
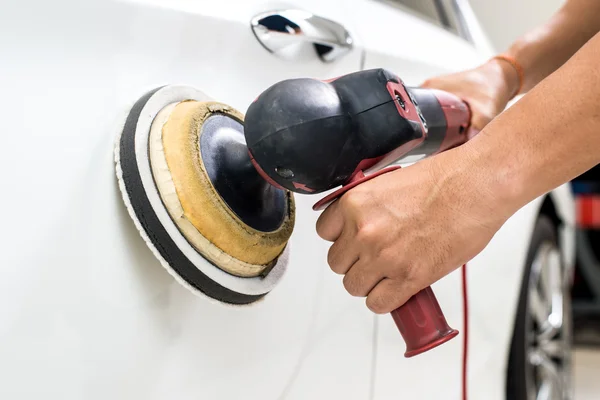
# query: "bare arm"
[548,137]
[544,49]
[489,87]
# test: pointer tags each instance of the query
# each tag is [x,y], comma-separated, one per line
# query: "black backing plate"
[151,224]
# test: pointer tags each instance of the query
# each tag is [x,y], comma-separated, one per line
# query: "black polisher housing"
[305,133]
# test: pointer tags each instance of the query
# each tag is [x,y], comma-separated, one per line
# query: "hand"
[402,231]
[487,89]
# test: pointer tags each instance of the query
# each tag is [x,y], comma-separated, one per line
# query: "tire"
[540,352]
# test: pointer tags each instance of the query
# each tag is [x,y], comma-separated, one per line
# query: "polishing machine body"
[309,136]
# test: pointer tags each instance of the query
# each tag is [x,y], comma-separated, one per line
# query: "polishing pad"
[188,183]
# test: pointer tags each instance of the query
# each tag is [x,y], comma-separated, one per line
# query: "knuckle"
[352,285]
[332,259]
[325,224]
[351,200]
[401,266]
[407,272]
[377,303]
[367,233]
[321,226]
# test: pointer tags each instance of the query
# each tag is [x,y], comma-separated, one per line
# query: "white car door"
[409,38]
[87,312]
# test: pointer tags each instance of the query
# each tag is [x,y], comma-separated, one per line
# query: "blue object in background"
[585,187]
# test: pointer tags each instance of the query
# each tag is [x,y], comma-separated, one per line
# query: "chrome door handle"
[278,30]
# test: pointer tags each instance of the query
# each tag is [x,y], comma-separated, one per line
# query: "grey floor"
[587,374]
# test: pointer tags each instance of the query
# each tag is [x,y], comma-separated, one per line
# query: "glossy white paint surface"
[87,312]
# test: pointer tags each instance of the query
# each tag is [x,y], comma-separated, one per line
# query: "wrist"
[510,74]
[479,172]
[496,174]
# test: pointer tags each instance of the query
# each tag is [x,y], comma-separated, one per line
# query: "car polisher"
[202,208]
[309,136]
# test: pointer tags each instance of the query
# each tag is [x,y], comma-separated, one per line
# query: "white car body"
[86,312]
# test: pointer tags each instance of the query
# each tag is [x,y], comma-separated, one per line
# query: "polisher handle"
[420,320]
[422,324]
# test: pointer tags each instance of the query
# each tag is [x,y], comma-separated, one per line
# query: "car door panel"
[88,312]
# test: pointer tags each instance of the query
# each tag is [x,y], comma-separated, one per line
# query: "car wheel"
[540,354]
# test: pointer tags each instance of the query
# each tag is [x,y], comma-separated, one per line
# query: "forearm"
[547,138]
[544,49]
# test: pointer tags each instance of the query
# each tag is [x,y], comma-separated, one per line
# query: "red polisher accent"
[422,324]
[458,117]
[356,180]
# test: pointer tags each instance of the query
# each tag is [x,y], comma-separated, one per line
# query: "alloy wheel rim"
[548,328]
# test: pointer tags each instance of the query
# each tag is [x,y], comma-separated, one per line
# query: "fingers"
[342,254]
[331,222]
[426,83]
[389,294]
[440,82]
[357,253]
[361,278]
[430,83]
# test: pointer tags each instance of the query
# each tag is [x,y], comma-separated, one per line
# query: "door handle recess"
[278,30]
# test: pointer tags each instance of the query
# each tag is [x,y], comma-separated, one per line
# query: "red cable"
[465,331]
